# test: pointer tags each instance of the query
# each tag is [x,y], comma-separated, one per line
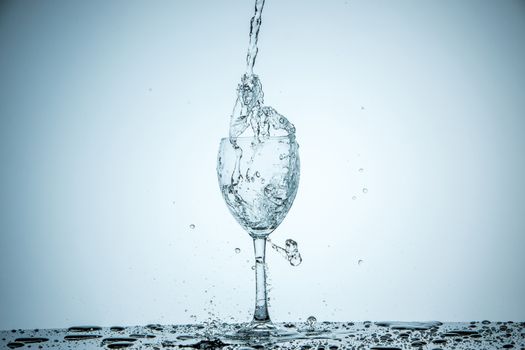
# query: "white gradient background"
[110,118]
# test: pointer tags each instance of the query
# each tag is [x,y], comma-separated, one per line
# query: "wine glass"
[258,179]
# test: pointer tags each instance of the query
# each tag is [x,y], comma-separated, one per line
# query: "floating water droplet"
[258,174]
[310,321]
[192,226]
[294,257]
[365,190]
[253,267]
[354,198]
[360,262]
[237,250]
[290,252]
[361,170]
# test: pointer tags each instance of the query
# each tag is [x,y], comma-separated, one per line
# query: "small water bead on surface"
[192,226]
[31,340]
[237,250]
[117,329]
[84,329]
[365,190]
[80,337]
[118,340]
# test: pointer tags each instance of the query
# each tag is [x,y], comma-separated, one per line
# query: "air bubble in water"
[192,226]
[237,250]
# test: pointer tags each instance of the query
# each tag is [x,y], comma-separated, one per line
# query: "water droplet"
[354,198]
[310,321]
[361,170]
[258,174]
[360,262]
[253,267]
[237,250]
[365,190]
[192,226]
[294,257]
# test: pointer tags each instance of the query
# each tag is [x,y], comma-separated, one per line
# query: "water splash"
[290,251]
[251,118]
[311,321]
[249,109]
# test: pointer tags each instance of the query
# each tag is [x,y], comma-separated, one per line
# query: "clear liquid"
[259,199]
[258,170]
[249,109]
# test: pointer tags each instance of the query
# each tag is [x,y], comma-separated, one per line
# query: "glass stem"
[261,300]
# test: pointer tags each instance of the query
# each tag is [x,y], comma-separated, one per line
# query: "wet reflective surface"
[311,335]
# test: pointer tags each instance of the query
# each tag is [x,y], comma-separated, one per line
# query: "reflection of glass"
[259,181]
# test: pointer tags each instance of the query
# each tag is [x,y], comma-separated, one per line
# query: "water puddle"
[303,335]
